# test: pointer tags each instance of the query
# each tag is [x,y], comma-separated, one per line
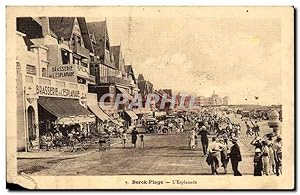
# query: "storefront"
[101,117]
[130,118]
[47,105]
[62,114]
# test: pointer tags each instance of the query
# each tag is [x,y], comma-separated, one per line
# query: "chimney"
[45,25]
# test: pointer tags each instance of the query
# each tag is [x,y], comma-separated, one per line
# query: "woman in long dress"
[265,157]
[192,139]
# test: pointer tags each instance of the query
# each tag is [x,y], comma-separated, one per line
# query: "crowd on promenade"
[224,145]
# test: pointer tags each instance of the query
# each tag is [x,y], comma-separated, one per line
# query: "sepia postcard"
[140,97]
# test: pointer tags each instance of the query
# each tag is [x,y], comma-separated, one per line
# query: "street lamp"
[274,122]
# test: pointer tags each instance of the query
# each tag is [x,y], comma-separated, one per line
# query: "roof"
[61,107]
[98,29]
[62,26]
[85,34]
[32,27]
[141,77]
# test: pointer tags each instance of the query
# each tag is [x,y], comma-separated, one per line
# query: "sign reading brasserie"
[44,90]
[63,71]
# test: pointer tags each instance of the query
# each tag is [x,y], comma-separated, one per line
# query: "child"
[258,164]
[142,140]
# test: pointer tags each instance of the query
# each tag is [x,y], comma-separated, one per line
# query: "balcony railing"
[115,80]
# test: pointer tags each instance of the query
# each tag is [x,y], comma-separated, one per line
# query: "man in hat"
[235,156]
[204,139]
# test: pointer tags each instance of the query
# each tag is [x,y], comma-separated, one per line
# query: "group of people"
[57,139]
[134,136]
[224,147]
[268,155]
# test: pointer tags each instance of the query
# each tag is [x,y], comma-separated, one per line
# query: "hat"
[203,127]
[257,150]
[234,139]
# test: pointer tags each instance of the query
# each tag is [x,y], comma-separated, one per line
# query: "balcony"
[115,80]
[80,50]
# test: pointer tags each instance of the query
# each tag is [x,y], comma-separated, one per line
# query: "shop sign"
[62,71]
[53,91]
[83,71]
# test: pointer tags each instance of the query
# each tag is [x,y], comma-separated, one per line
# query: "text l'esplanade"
[55,91]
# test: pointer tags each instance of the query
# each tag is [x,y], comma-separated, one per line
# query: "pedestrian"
[204,139]
[181,126]
[71,140]
[235,157]
[265,157]
[258,164]
[272,159]
[224,154]
[278,156]
[134,134]
[192,139]
[142,140]
[124,138]
[214,149]
[257,143]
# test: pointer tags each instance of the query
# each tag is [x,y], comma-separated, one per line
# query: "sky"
[236,57]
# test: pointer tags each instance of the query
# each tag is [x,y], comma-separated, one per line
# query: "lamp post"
[274,122]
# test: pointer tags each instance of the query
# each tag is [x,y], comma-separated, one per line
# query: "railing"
[113,79]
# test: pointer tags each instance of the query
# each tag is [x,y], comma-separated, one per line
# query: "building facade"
[52,79]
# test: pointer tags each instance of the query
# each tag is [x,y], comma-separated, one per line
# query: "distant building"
[214,100]
[226,100]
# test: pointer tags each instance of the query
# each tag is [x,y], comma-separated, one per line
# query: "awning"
[131,114]
[99,113]
[67,111]
[125,93]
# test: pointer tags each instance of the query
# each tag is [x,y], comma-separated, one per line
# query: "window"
[44,72]
[30,69]
[65,57]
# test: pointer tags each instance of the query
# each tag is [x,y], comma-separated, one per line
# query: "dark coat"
[134,134]
[235,153]
[203,134]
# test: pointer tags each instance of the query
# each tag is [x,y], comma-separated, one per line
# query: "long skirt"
[266,164]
